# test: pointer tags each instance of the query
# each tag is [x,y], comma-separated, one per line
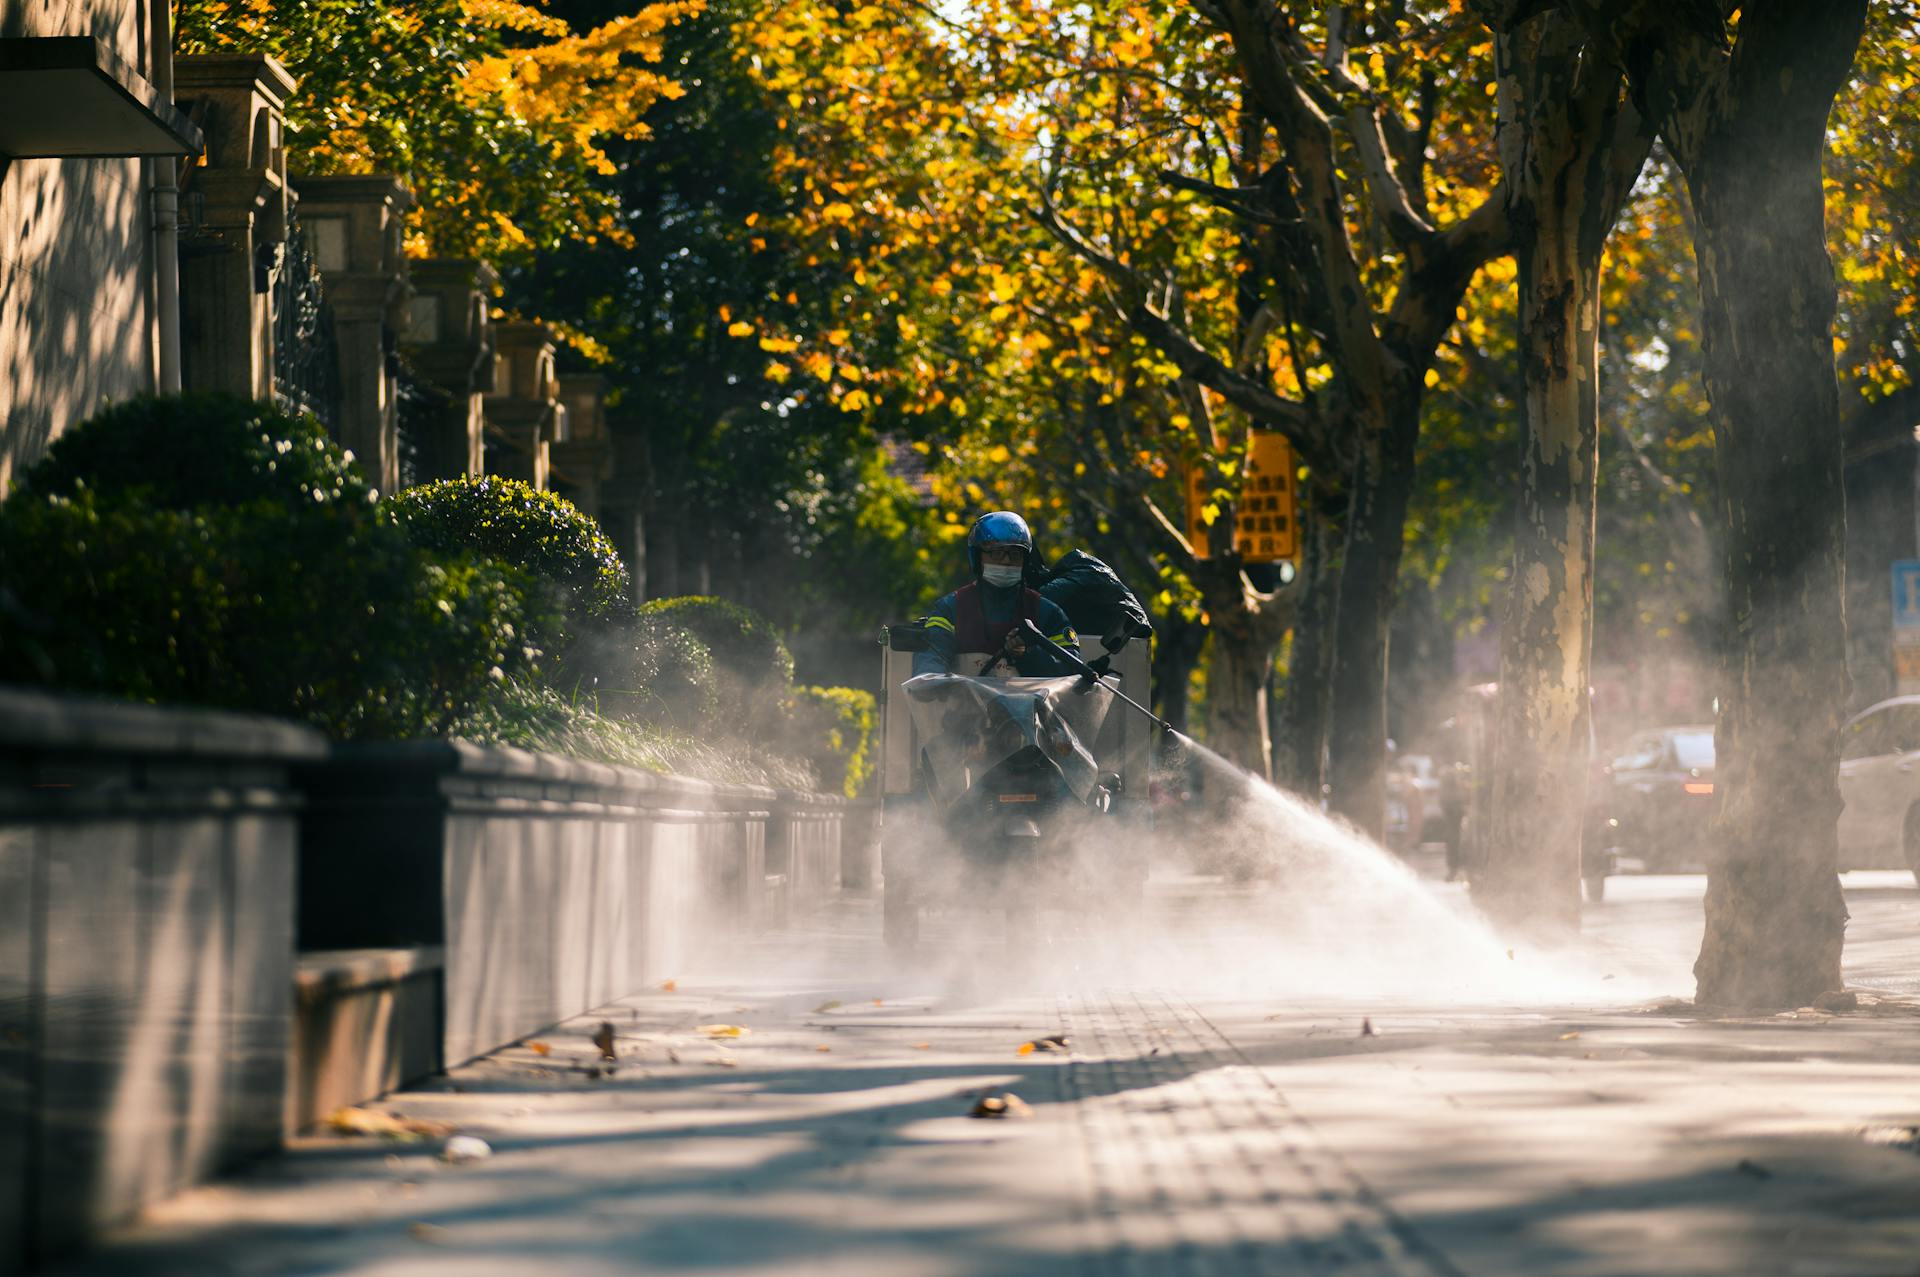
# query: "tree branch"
[1268,65]
[1290,417]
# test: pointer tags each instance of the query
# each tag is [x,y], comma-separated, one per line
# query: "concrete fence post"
[233,220]
[355,225]
[524,414]
[449,340]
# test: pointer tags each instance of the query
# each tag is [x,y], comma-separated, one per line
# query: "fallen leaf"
[1026,1048]
[1568,1037]
[879,1002]
[539,1048]
[825,1007]
[359,1121]
[1366,1027]
[724,1062]
[823,1048]
[603,1038]
[921,1046]
[431,1233]
[723,1030]
[1004,1105]
[673,1057]
[669,986]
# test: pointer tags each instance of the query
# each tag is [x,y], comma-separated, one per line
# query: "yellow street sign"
[1266,527]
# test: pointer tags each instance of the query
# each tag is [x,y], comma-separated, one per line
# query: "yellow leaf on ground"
[539,1048]
[668,986]
[723,1030]
[1004,1105]
[359,1121]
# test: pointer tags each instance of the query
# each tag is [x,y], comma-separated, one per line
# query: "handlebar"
[1087,672]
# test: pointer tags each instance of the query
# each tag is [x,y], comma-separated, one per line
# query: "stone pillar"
[355,225]
[449,342]
[624,497]
[582,460]
[524,412]
[233,218]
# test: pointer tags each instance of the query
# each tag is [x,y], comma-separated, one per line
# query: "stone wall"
[146,956]
[76,311]
[552,885]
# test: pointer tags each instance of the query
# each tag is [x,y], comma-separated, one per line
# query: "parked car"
[1414,814]
[1657,800]
[1880,784]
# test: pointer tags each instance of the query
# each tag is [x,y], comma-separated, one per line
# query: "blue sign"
[1906,594]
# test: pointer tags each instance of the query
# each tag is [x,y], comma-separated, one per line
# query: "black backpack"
[1095,599]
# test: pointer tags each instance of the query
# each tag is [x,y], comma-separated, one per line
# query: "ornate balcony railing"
[306,359]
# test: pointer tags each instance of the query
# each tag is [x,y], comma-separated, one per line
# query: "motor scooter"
[1014,799]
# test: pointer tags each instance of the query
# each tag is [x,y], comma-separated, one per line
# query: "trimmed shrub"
[644,669]
[532,715]
[192,451]
[542,534]
[836,729]
[262,596]
[754,667]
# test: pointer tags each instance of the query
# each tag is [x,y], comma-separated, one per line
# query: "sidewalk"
[1182,1133]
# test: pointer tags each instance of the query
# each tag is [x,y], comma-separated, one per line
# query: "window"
[1693,749]
[1865,736]
[1642,752]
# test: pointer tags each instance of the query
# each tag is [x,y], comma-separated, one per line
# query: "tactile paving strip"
[1200,1168]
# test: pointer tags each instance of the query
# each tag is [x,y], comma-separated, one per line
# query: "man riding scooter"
[986,615]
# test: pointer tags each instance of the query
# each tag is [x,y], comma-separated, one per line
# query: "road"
[1253,1113]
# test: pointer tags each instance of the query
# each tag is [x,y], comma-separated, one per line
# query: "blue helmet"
[1002,527]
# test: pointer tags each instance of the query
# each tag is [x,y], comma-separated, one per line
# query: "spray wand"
[1031,633]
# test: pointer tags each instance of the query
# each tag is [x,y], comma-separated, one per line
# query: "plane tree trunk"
[1746,121]
[1380,489]
[1300,738]
[1570,147]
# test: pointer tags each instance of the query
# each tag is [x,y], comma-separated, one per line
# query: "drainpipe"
[166,207]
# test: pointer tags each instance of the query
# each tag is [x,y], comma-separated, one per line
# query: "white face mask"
[1000,574]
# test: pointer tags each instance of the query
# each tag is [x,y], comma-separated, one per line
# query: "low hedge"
[644,669]
[541,533]
[529,714]
[836,729]
[284,589]
[753,668]
[189,452]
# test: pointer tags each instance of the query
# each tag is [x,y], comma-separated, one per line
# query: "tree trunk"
[1560,137]
[1747,126]
[1376,522]
[1242,658]
[663,553]
[1177,644]
[1775,917]
[1300,743]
